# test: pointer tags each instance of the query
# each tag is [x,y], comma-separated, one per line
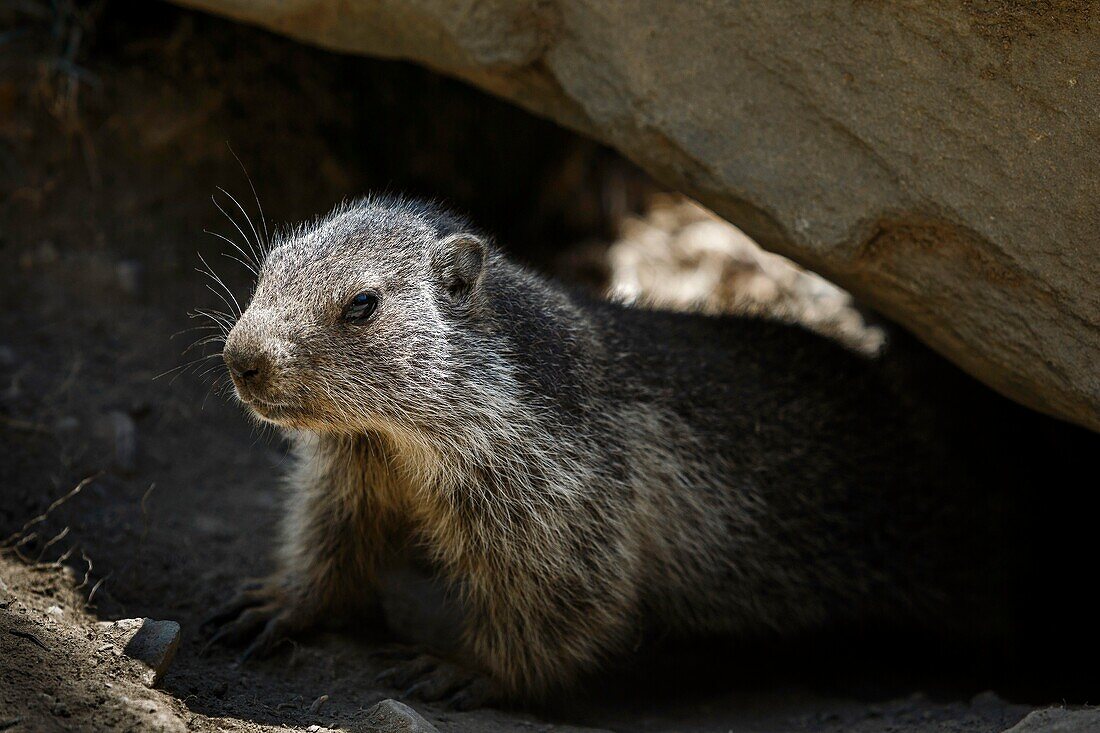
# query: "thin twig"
[64,556]
[95,587]
[88,572]
[30,637]
[58,502]
[56,538]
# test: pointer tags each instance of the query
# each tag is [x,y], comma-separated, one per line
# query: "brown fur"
[577,473]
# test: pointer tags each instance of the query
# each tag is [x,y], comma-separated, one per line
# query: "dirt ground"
[114,124]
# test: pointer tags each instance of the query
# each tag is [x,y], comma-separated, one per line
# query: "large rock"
[940,160]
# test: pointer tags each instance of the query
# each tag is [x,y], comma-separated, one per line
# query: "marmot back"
[575,472]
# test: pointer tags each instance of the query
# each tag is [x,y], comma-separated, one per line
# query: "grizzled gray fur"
[575,472]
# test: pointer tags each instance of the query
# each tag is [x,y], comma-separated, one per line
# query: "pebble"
[988,700]
[66,424]
[123,431]
[391,716]
[154,643]
[129,276]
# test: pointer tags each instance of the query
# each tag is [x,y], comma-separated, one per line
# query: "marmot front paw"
[262,615]
[423,675]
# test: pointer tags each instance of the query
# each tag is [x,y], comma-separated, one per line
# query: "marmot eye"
[361,307]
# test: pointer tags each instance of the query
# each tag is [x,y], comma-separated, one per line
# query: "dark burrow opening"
[119,121]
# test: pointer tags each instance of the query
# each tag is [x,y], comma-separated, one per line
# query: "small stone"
[1059,720]
[988,700]
[66,424]
[128,273]
[391,716]
[154,643]
[124,433]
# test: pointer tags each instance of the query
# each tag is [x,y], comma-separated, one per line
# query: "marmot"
[578,472]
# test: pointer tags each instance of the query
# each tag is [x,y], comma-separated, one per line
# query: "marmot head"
[350,325]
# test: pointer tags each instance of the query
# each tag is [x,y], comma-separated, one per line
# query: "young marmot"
[575,472]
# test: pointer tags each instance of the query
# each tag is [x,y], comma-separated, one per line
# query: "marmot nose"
[247,365]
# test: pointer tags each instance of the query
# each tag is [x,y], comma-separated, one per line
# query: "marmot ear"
[459,260]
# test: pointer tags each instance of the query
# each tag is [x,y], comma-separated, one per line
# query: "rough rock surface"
[938,160]
[1059,720]
[151,642]
[391,716]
